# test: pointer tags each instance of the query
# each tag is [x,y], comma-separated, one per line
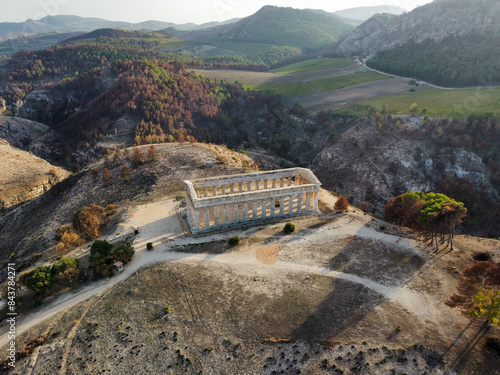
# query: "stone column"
[265,184]
[241,187]
[207,217]
[196,220]
[249,186]
[316,201]
[236,213]
[205,194]
[223,190]
[299,207]
[245,212]
[264,209]
[308,201]
[274,183]
[216,215]
[273,207]
[282,182]
[214,188]
[232,188]
[290,204]
[282,206]
[254,213]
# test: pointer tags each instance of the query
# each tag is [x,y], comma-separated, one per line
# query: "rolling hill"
[364,13]
[287,27]
[66,24]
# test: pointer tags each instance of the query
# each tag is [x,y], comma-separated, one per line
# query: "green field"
[334,83]
[439,103]
[314,64]
[340,82]
[246,48]
[285,89]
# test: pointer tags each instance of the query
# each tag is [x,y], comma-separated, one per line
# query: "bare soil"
[328,100]
[339,295]
[262,78]
[24,176]
[30,229]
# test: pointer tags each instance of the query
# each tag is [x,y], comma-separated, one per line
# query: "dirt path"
[158,223]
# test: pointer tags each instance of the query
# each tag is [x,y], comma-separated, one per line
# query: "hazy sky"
[177,11]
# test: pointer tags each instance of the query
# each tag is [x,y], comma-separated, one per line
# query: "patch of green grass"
[336,83]
[246,48]
[167,44]
[439,103]
[314,64]
[285,89]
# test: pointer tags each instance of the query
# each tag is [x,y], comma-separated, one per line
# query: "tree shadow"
[464,355]
[369,271]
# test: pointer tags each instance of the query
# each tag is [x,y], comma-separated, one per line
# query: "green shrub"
[243,152]
[39,279]
[233,241]
[289,228]
[123,252]
[100,249]
[149,246]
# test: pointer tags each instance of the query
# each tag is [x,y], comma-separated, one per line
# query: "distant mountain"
[349,21]
[33,43]
[287,27]
[436,21]
[66,24]
[364,13]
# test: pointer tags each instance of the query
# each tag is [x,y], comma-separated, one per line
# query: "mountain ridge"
[70,23]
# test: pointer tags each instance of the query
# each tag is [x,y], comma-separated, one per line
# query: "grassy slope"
[247,48]
[314,64]
[440,103]
[334,83]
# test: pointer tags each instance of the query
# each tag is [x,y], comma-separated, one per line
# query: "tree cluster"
[260,61]
[46,279]
[104,255]
[478,294]
[434,212]
[455,61]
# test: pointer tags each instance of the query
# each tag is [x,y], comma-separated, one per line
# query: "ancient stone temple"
[230,201]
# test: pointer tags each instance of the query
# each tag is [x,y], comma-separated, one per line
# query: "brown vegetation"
[88,220]
[341,204]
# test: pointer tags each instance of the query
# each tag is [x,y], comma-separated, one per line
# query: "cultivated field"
[329,100]
[326,84]
[314,64]
[318,84]
[458,103]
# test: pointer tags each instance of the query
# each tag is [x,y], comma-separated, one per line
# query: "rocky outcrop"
[371,164]
[24,176]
